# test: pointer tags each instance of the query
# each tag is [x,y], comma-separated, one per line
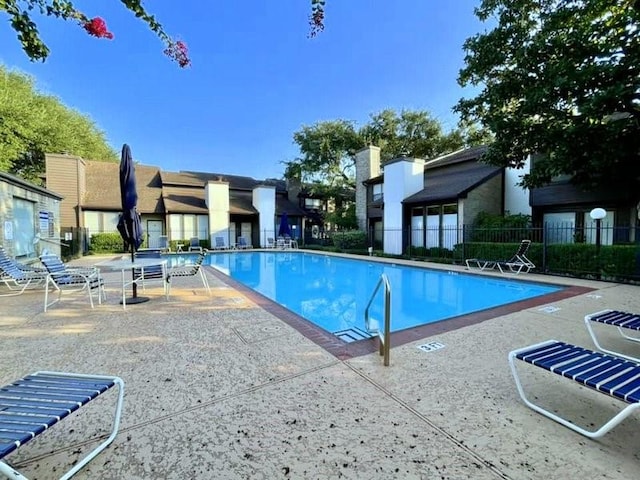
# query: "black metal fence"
[74,242]
[605,253]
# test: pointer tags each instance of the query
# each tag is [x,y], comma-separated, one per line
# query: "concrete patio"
[219,388]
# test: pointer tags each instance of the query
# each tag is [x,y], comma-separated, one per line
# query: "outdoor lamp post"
[598,214]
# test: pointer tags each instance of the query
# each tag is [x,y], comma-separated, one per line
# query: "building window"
[559,227]
[183,226]
[101,222]
[417,227]
[312,203]
[376,192]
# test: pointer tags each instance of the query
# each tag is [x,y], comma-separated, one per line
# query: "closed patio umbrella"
[129,224]
[284,230]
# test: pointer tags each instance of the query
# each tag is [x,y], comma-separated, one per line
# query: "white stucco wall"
[402,177]
[217,200]
[264,201]
[516,198]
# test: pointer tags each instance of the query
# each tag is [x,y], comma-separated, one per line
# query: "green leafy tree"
[33,124]
[559,78]
[416,134]
[20,14]
[327,152]
[328,148]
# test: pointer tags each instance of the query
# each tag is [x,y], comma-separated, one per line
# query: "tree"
[560,78]
[20,11]
[328,148]
[33,124]
[327,160]
[416,134]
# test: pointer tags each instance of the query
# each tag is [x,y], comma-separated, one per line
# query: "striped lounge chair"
[616,377]
[189,270]
[74,279]
[623,321]
[33,404]
[17,277]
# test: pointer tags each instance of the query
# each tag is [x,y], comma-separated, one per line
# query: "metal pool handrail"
[385,335]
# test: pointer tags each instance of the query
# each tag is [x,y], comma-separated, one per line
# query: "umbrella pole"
[133,277]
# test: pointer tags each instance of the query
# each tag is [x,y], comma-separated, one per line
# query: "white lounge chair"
[518,263]
[220,244]
[74,279]
[189,270]
[18,277]
[622,320]
[243,244]
[616,377]
[194,245]
[32,405]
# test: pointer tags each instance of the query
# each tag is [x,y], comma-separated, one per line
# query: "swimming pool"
[333,292]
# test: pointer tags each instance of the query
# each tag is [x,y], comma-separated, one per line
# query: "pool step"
[352,334]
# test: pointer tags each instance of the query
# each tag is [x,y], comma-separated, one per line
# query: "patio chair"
[163,244]
[18,277]
[194,245]
[154,272]
[243,244]
[188,270]
[72,279]
[615,318]
[271,242]
[613,376]
[4,257]
[518,263]
[220,245]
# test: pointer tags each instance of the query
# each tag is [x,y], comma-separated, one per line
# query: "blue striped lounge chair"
[194,245]
[243,244]
[623,321]
[32,405]
[611,375]
[74,279]
[219,244]
[17,277]
[189,270]
[154,272]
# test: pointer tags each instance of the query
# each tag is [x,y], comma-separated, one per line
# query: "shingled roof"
[184,200]
[103,187]
[454,175]
[236,182]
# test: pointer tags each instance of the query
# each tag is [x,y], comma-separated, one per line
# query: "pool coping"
[346,350]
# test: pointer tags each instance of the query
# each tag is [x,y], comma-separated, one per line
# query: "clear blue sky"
[255,77]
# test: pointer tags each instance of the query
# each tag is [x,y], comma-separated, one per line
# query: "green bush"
[575,259]
[615,261]
[501,228]
[106,243]
[350,240]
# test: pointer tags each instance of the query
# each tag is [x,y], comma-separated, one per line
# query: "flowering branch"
[19,12]
[316,19]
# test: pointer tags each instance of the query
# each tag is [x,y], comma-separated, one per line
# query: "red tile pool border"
[344,350]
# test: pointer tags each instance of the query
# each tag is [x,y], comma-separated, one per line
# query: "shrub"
[350,240]
[106,243]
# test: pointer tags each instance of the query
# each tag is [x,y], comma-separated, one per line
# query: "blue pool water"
[333,292]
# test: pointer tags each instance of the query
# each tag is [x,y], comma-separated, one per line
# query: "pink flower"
[178,51]
[98,28]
